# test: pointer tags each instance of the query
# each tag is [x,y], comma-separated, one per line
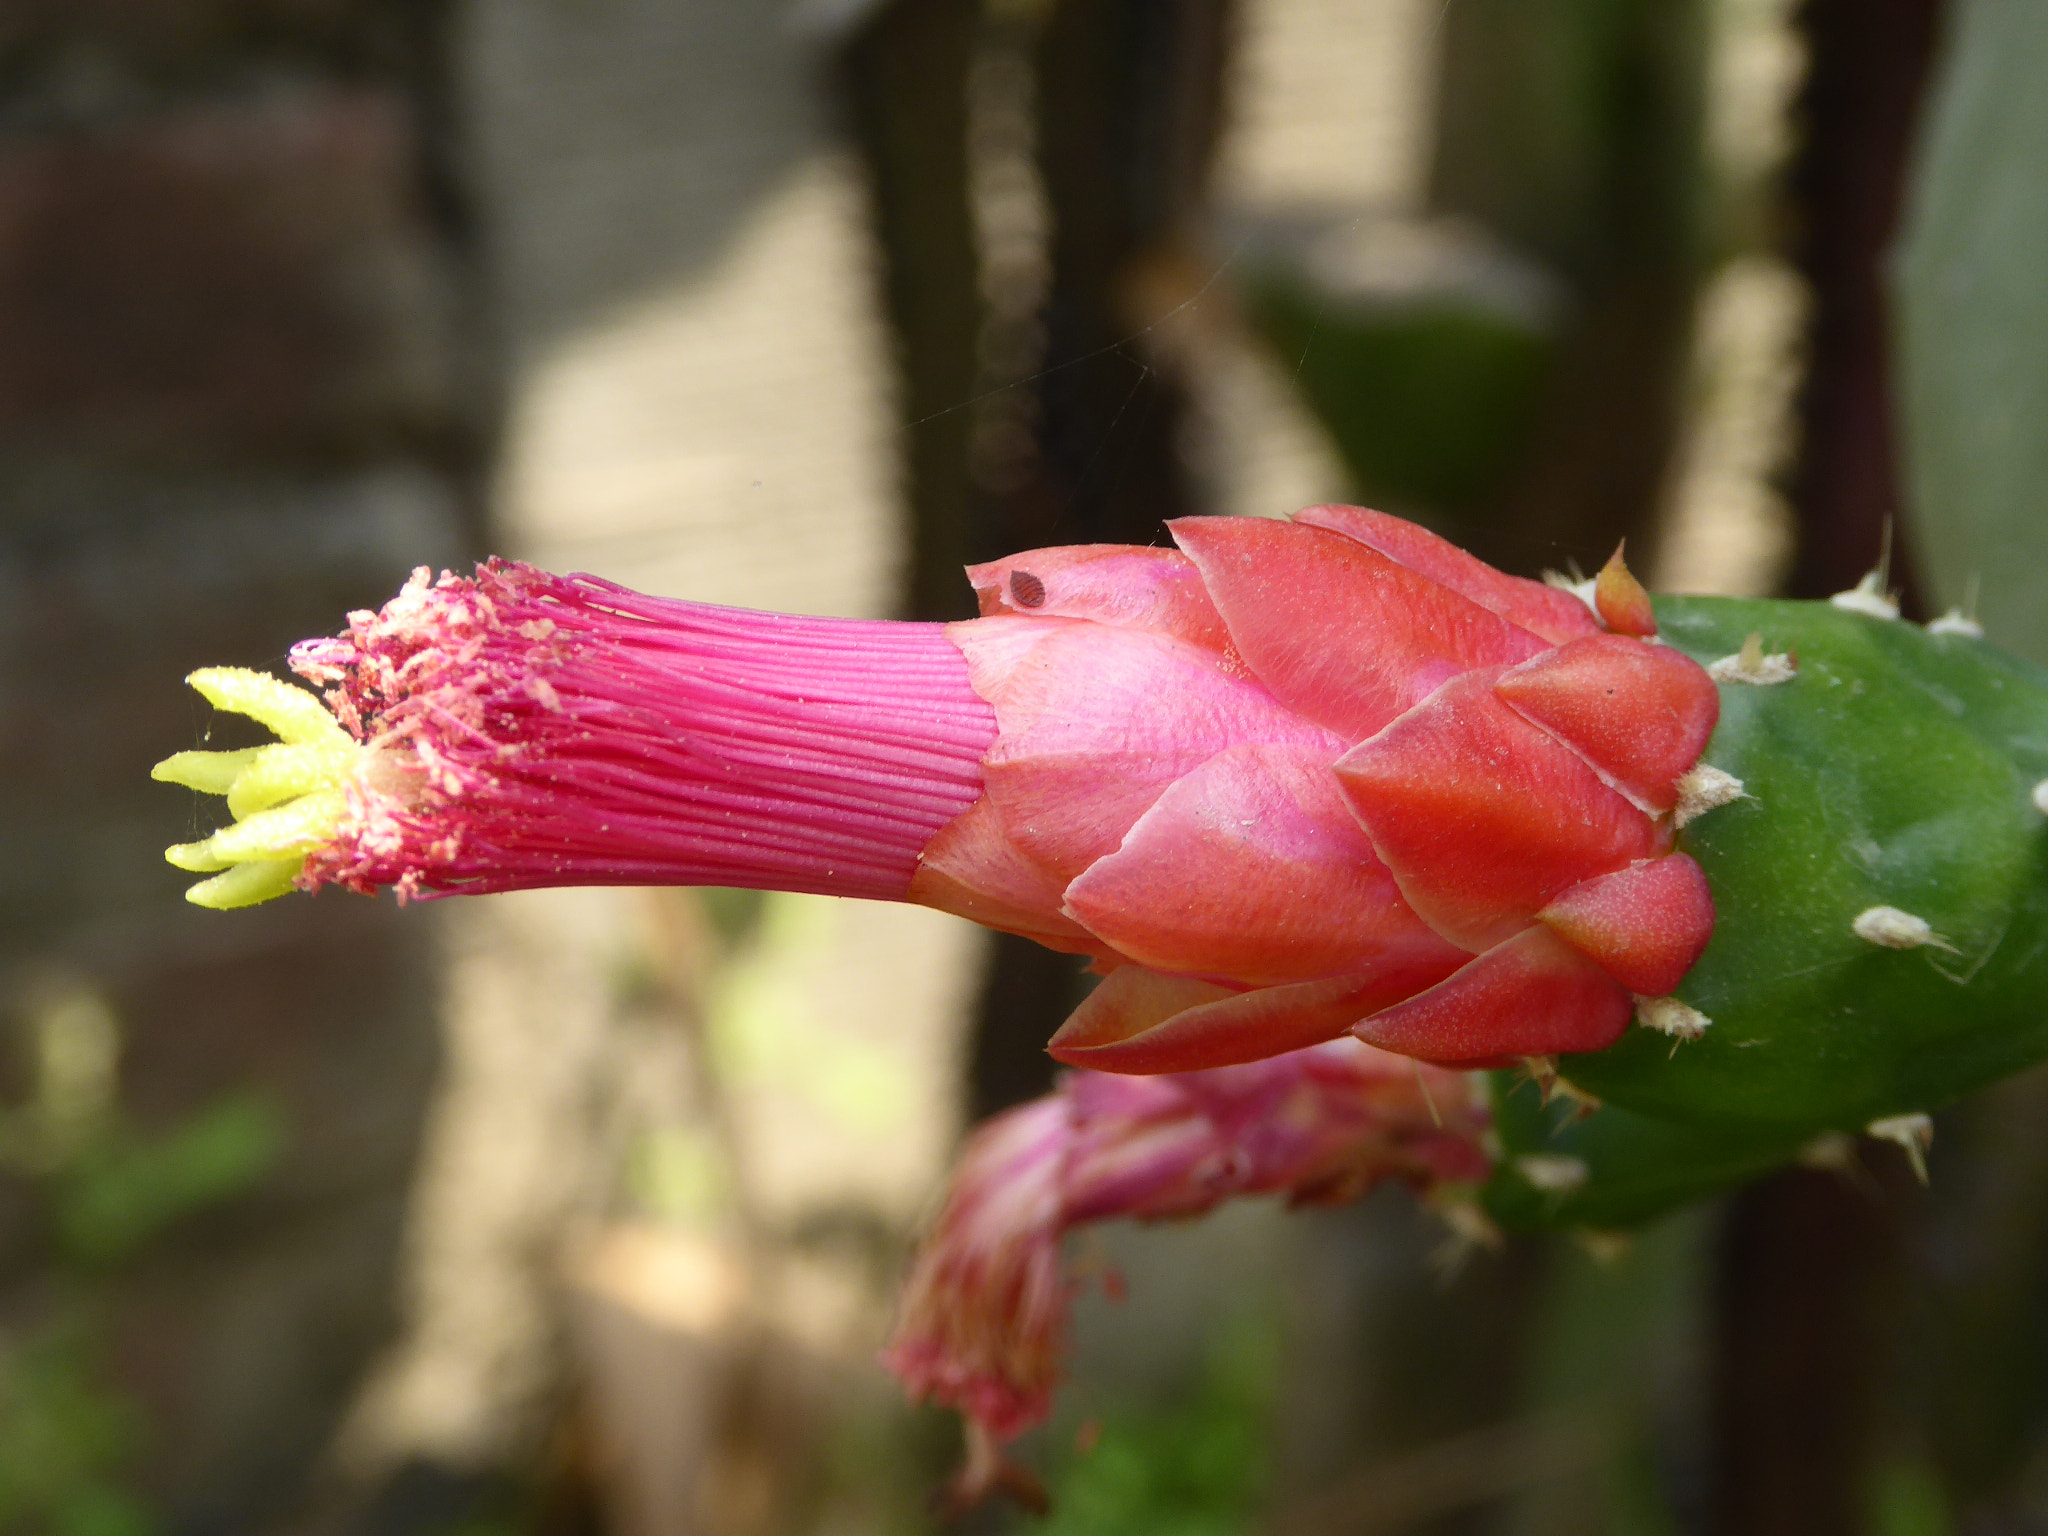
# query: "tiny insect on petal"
[1129,586]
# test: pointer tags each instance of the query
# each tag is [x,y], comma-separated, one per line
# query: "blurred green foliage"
[63,1437]
[104,1191]
[124,1189]
[1195,1468]
[1510,366]
[1429,396]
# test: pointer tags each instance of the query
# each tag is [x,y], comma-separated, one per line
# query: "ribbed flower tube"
[516,729]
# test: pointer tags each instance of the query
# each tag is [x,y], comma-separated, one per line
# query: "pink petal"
[1539,608]
[1129,1001]
[1336,629]
[1252,867]
[1127,585]
[1530,996]
[1140,1022]
[1094,722]
[1641,714]
[973,871]
[1483,817]
[1644,925]
[996,647]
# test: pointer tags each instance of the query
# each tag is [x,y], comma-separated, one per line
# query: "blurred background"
[580,1212]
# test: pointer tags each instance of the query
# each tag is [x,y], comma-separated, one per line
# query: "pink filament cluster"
[538,730]
[984,1311]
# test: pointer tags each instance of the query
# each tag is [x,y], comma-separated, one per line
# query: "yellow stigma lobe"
[287,799]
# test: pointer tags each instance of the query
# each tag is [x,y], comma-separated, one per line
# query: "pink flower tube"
[1292,779]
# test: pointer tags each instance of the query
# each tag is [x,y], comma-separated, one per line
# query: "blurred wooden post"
[1868,68]
[1809,1263]
[1128,109]
[1130,104]
[903,77]
[1810,1260]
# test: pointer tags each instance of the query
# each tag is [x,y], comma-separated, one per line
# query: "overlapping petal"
[973,870]
[1095,721]
[1341,633]
[1532,995]
[1325,775]
[1130,1023]
[1251,867]
[1645,925]
[1641,714]
[1483,817]
[1536,606]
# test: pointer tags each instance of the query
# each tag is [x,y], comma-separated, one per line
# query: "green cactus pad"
[1896,770]
[1633,1167]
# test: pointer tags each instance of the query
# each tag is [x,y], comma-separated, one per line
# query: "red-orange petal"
[1532,995]
[1094,722]
[971,869]
[1639,713]
[1131,1024]
[1252,867]
[1624,605]
[1644,925]
[1338,631]
[1483,817]
[1532,605]
[1128,585]
[1126,1003]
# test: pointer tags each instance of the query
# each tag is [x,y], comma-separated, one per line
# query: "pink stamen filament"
[566,731]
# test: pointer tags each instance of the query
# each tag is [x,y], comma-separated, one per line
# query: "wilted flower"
[1300,778]
[984,1314]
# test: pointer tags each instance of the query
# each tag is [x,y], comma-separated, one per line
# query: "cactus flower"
[1293,779]
[982,1318]
[1289,781]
